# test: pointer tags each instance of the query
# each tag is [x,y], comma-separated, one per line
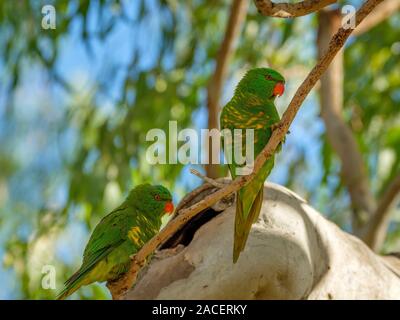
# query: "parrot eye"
[157,197]
[268,77]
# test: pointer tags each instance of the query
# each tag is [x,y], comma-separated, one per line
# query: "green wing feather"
[111,229]
[110,233]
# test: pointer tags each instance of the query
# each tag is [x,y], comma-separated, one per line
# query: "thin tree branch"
[234,24]
[376,228]
[336,43]
[207,179]
[290,10]
[381,13]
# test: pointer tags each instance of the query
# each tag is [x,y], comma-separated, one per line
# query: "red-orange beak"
[279,89]
[169,207]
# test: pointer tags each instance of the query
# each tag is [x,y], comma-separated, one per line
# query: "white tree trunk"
[293,252]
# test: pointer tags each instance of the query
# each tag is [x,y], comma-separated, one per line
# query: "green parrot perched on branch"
[252,107]
[119,235]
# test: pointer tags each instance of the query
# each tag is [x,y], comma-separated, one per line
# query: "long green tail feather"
[243,224]
[72,284]
[78,278]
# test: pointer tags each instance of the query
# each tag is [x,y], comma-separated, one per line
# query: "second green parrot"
[252,107]
[119,235]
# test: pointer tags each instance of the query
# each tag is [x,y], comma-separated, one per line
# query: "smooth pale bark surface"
[293,252]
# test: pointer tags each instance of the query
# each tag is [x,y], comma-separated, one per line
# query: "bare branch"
[207,179]
[235,22]
[277,136]
[381,13]
[290,10]
[377,227]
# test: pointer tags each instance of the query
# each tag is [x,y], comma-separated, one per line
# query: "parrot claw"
[278,125]
[132,257]
[275,126]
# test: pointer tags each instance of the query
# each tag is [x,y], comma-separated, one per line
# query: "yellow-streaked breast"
[134,235]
